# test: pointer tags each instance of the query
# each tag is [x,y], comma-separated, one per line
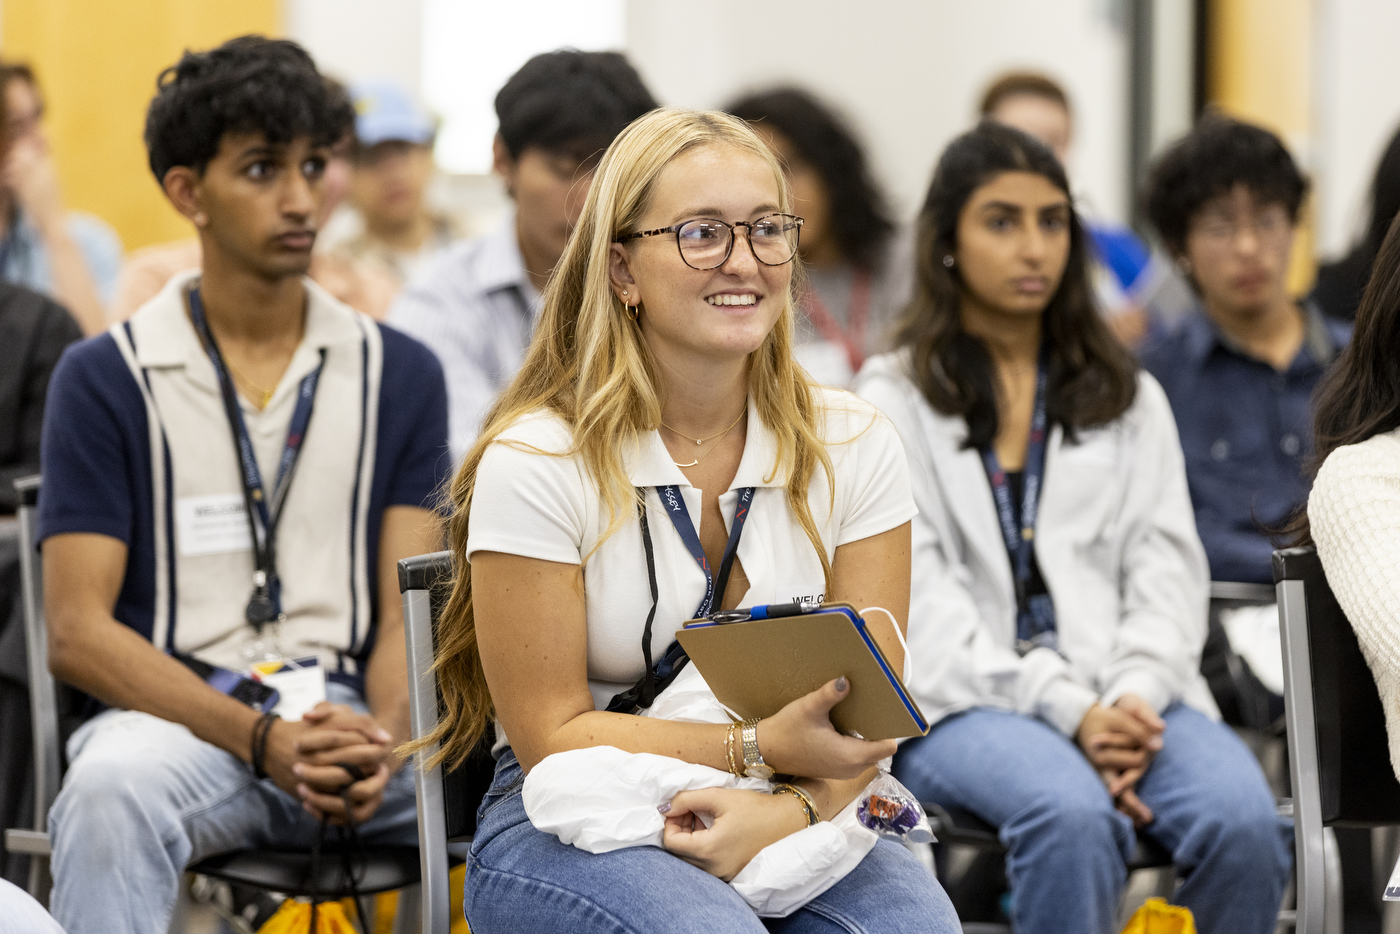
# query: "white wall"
[358,39]
[1356,111]
[907,73]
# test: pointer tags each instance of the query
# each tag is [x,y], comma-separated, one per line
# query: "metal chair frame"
[447,800]
[43,703]
[423,716]
[1338,753]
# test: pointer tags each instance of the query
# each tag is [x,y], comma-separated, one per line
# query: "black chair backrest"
[1356,778]
[465,786]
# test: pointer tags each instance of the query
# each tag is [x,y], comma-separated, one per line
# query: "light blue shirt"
[476,308]
[24,258]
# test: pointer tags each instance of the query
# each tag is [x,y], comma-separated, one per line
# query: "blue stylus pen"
[766,611]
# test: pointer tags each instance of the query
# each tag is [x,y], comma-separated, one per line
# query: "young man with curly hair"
[230,477]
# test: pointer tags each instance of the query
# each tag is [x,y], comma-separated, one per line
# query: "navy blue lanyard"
[1020,537]
[680,518]
[657,676]
[265,604]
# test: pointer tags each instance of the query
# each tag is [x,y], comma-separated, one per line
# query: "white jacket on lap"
[1116,543]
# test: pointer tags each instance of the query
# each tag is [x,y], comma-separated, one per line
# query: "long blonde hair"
[588,365]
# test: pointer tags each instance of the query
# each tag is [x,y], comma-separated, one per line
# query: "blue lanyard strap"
[1035,620]
[657,676]
[680,518]
[265,605]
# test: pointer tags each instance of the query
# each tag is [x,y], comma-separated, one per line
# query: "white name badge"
[212,525]
[300,684]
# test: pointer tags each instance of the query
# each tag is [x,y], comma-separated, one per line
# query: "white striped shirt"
[476,308]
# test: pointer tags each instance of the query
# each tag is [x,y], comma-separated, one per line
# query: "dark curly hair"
[1093,379]
[570,102]
[860,218]
[248,84]
[1217,155]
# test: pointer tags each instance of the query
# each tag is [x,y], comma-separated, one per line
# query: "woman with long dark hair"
[1353,512]
[857,269]
[1058,606]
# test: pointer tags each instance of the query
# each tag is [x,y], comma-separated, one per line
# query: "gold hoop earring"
[633,312]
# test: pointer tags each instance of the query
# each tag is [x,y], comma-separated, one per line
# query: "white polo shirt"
[543,505]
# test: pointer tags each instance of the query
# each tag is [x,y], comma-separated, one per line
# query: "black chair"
[979,890]
[447,803]
[285,871]
[1339,753]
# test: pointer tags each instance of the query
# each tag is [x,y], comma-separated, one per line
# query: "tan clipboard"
[757,667]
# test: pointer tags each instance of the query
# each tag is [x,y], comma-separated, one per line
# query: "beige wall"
[97,61]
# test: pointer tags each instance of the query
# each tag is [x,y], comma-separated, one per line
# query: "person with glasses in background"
[478,304]
[72,257]
[857,270]
[1239,371]
[1059,590]
[662,371]
[387,221]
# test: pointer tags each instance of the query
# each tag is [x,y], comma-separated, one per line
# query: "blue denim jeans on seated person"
[144,798]
[523,881]
[1067,845]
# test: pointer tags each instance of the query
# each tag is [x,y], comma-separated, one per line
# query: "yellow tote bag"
[294,917]
[1157,917]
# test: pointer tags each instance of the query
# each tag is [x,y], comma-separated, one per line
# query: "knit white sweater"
[1354,511]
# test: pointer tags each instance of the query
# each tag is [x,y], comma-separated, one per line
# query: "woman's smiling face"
[724,312]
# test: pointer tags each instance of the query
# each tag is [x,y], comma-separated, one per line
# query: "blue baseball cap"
[384,112]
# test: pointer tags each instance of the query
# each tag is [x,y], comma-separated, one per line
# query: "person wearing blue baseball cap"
[393,165]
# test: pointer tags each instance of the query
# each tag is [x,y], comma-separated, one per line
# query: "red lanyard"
[853,337]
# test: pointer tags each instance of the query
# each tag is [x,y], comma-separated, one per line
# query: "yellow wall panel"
[97,62]
[1260,70]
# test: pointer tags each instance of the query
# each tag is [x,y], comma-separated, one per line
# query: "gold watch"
[754,766]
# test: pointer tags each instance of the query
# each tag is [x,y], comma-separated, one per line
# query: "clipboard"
[760,659]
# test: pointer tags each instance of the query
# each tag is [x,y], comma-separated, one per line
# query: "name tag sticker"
[805,594]
[300,683]
[212,525]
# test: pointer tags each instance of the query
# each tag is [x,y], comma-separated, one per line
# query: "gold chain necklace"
[267,394]
[700,441]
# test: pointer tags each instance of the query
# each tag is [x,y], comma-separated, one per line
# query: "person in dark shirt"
[33,332]
[1339,284]
[1240,368]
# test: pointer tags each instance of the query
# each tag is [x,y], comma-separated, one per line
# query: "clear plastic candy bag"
[888,808]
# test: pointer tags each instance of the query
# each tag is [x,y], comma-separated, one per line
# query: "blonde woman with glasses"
[657,430]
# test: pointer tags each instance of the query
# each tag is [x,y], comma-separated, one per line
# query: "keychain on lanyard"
[1035,616]
[265,603]
[656,678]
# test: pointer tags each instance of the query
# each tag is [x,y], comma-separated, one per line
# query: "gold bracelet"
[729,751]
[809,807]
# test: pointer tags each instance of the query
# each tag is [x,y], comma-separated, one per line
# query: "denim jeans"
[1066,843]
[522,880]
[144,798]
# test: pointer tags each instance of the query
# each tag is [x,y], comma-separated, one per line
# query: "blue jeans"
[144,798]
[1066,843]
[522,880]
